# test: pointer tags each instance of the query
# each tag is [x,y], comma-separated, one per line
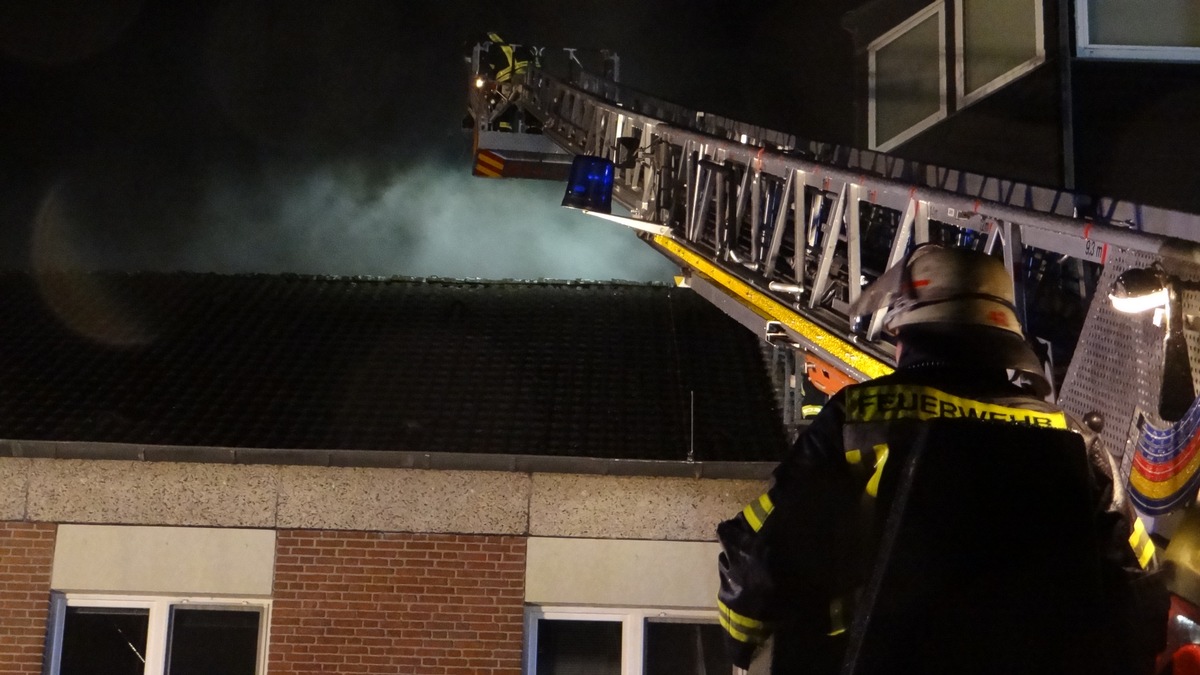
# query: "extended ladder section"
[784,234]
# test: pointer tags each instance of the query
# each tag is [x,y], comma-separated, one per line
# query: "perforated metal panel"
[1191,307]
[1117,369]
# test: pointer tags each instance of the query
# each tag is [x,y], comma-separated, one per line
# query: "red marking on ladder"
[1103,253]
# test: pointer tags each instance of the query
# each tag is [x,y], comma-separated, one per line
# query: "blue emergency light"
[590,184]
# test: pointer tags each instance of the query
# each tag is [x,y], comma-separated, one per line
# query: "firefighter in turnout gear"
[503,62]
[886,541]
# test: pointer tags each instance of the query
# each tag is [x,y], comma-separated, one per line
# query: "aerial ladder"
[783,234]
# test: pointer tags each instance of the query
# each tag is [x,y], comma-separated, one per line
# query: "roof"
[568,369]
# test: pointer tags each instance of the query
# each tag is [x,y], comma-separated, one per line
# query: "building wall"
[377,602]
[1133,126]
[365,569]
[26,557]
[1126,119]
[1014,133]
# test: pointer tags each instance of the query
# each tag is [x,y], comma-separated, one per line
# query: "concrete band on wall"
[168,560]
[621,573]
[229,562]
[115,492]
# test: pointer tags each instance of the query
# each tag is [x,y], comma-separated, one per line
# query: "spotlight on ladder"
[590,188]
[1140,290]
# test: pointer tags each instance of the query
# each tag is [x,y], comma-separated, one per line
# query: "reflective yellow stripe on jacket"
[1140,542]
[838,614]
[756,512]
[876,459]
[742,628]
[897,401]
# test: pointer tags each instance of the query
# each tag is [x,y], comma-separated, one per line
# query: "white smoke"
[431,219]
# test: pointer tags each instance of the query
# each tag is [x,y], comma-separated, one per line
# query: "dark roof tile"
[293,362]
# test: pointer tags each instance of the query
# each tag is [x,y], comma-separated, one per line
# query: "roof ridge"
[356,278]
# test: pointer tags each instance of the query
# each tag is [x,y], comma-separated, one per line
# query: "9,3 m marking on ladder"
[1093,250]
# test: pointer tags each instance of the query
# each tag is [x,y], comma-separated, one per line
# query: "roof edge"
[389,459]
[349,278]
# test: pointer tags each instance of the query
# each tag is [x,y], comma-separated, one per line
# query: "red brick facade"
[26,556]
[371,602]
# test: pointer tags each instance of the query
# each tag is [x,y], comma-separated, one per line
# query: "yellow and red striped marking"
[489,164]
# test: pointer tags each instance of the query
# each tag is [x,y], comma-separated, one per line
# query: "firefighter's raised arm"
[771,552]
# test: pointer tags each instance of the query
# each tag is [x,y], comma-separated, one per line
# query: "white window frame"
[938,9]
[159,607]
[633,625]
[966,98]
[1086,49]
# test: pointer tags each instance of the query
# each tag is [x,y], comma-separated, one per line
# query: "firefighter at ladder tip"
[501,62]
[796,560]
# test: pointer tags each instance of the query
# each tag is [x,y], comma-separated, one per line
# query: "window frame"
[158,625]
[632,620]
[937,9]
[965,98]
[1086,49]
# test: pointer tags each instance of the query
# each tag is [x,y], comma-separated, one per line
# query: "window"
[110,635]
[999,41]
[595,641]
[1164,30]
[907,79]
[675,646]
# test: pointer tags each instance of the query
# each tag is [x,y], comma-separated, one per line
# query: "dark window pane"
[578,647]
[908,81]
[1158,23]
[998,36]
[104,641]
[212,641]
[685,649]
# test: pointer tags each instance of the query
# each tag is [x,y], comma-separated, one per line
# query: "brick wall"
[26,556]
[370,602]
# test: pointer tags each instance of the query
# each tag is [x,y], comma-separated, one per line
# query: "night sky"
[324,137]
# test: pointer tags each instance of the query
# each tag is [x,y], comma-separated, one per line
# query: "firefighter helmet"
[936,285]
[960,303]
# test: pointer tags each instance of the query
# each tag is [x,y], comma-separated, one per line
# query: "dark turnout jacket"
[804,562]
